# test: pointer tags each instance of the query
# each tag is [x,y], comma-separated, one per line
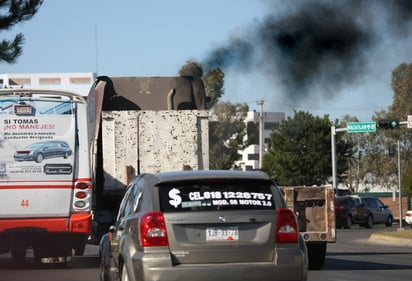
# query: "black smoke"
[314,45]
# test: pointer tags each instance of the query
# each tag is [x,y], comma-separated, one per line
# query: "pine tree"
[13,12]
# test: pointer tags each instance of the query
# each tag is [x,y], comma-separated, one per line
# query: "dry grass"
[400,233]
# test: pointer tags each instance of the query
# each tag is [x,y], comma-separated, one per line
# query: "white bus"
[45,175]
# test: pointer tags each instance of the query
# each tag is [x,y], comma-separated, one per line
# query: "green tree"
[213,81]
[369,161]
[226,134]
[402,107]
[252,129]
[191,68]
[380,168]
[355,171]
[376,166]
[300,151]
[13,12]
[407,181]
[402,87]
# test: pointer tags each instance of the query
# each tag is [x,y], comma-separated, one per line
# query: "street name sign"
[361,127]
[409,125]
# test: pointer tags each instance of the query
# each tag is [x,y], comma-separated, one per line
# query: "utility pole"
[260,103]
[334,171]
[399,186]
[335,130]
[96,49]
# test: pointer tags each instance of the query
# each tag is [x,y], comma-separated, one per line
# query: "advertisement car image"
[43,150]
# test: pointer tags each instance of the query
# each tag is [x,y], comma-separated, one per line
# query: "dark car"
[42,150]
[364,210]
[202,226]
[346,210]
[373,211]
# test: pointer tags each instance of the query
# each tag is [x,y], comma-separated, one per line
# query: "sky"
[321,56]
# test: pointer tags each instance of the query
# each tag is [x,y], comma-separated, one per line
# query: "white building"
[250,155]
[76,82]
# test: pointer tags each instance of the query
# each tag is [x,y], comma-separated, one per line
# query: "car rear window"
[216,195]
[340,200]
[343,200]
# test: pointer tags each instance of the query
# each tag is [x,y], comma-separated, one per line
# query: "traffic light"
[388,124]
[391,150]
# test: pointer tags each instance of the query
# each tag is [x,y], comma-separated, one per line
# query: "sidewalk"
[378,238]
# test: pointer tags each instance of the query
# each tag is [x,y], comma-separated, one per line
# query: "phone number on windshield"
[197,195]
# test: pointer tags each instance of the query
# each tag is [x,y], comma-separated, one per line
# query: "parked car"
[373,211]
[346,209]
[203,225]
[42,150]
[408,217]
[363,210]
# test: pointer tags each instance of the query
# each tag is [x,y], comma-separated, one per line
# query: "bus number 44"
[24,203]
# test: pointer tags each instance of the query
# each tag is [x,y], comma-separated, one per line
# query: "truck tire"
[79,250]
[316,255]
[18,254]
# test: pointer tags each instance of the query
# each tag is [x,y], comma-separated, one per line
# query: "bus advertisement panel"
[45,179]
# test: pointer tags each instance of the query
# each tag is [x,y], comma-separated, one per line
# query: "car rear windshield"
[216,195]
[341,200]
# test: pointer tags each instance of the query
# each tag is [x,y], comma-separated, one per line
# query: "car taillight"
[153,230]
[83,185]
[339,208]
[82,196]
[287,227]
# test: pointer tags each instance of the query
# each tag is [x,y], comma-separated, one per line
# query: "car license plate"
[230,233]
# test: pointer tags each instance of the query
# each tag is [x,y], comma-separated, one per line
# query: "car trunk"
[221,237]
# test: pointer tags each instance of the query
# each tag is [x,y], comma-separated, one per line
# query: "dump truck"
[142,125]
[153,124]
[314,207]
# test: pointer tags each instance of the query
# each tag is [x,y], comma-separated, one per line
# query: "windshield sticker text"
[219,198]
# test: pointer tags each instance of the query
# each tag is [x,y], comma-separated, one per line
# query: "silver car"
[202,226]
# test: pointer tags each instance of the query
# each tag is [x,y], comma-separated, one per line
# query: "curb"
[391,240]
